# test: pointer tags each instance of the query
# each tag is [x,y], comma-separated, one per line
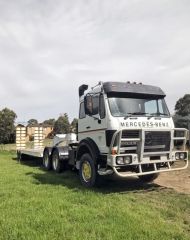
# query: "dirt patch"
[177,180]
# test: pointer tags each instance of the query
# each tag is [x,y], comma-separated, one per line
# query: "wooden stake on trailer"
[20,137]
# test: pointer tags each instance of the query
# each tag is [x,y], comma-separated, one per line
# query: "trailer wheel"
[19,156]
[47,160]
[57,165]
[148,178]
[88,171]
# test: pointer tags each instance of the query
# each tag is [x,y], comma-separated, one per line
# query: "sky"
[48,48]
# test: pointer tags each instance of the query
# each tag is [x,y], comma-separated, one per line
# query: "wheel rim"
[55,162]
[86,171]
[46,160]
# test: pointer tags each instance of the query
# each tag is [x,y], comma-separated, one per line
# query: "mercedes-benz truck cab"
[130,130]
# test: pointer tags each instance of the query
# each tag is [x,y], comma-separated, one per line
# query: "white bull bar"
[167,165]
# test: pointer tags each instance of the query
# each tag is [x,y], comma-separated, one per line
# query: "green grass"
[43,205]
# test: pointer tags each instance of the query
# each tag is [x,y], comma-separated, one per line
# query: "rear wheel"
[19,156]
[47,160]
[88,171]
[57,165]
[148,178]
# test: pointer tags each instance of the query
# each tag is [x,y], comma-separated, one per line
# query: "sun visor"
[132,90]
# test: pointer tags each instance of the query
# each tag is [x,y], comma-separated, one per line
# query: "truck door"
[93,123]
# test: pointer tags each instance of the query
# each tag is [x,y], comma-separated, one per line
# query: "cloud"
[48,48]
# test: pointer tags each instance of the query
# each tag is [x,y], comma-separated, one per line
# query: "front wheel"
[148,178]
[88,171]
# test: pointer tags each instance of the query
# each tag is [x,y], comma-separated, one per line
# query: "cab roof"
[125,89]
[132,90]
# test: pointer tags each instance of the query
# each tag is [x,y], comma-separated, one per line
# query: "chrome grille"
[157,141]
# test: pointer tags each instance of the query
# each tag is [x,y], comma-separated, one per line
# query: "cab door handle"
[88,127]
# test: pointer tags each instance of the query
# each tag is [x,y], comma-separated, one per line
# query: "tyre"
[57,165]
[19,156]
[88,171]
[148,178]
[47,163]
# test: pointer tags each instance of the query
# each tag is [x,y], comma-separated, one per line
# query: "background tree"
[7,127]
[182,106]
[181,122]
[74,125]
[182,112]
[32,121]
[62,125]
[50,121]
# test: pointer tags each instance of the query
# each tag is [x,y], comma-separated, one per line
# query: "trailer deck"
[32,152]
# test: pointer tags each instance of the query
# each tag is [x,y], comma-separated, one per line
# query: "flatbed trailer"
[32,152]
[38,148]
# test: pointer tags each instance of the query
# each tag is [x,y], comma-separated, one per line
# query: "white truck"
[124,129]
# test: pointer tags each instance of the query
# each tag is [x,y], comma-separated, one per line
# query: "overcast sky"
[49,47]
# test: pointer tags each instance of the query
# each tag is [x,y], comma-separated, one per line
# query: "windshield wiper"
[163,114]
[149,115]
[134,114]
[156,115]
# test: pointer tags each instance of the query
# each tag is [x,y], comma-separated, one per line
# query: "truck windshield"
[123,107]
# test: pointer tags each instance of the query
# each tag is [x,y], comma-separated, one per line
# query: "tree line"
[182,112]
[8,125]
[62,124]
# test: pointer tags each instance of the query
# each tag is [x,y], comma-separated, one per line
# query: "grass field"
[43,205]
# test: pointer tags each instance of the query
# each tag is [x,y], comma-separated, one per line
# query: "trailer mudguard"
[63,152]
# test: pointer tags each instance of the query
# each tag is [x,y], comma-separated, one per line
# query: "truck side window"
[82,111]
[95,101]
[95,105]
[89,104]
[102,111]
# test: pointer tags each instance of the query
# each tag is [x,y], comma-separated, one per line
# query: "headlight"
[181,156]
[177,156]
[128,159]
[124,160]
[120,160]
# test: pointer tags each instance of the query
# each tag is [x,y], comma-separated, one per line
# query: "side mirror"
[82,89]
[88,105]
